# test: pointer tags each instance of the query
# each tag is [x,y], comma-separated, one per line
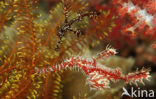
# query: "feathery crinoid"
[34,43]
[6,9]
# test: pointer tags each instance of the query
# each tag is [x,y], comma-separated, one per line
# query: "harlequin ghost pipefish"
[98,76]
